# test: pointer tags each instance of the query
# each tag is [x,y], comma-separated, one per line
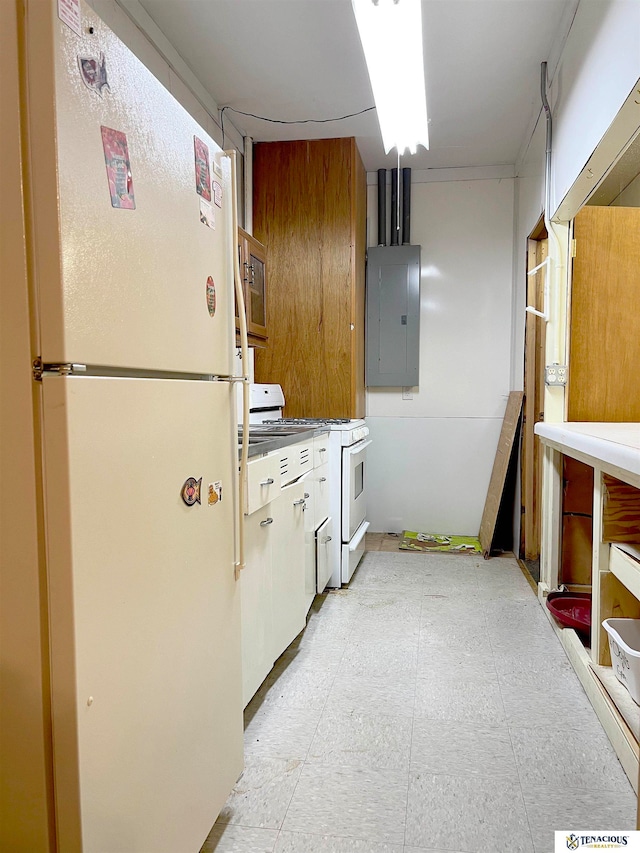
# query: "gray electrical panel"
[393,316]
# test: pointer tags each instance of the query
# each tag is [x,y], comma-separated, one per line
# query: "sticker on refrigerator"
[203,178]
[211,296]
[190,492]
[217,193]
[215,492]
[207,216]
[116,158]
[69,13]
[93,71]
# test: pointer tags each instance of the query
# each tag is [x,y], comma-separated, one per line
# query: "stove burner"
[302,421]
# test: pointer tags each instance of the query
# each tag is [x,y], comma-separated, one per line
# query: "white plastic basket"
[624,645]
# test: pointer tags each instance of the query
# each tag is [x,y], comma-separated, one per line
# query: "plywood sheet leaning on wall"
[499,473]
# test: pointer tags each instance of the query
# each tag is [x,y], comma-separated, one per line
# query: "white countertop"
[616,444]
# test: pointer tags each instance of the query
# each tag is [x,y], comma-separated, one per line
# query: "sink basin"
[264,433]
[266,437]
[275,430]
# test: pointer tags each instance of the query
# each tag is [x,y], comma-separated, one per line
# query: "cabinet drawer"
[320,450]
[295,460]
[263,482]
[320,494]
[626,567]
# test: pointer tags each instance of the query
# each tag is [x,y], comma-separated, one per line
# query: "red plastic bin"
[572,610]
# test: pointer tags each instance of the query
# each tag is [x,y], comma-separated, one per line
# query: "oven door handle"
[356,448]
[358,536]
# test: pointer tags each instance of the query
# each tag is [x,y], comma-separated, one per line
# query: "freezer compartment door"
[132,211]
[144,610]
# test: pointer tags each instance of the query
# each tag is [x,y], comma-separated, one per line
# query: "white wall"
[167,66]
[598,67]
[528,210]
[431,460]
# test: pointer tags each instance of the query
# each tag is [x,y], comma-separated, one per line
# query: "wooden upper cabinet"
[253,272]
[604,351]
[309,211]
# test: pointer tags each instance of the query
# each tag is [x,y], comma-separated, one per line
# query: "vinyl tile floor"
[428,707]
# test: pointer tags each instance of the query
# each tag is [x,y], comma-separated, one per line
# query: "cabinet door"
[316,272]
[256,288]
[288,566]
[604,352]
[323,560]
[309,547]
[257,623]
[253,272]
[321,493]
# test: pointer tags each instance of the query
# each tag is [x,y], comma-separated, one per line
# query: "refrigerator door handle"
[244,349]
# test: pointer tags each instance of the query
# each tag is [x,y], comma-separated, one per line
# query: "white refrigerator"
[132,250]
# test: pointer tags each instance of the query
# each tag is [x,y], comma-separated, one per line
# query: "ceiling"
[302,59]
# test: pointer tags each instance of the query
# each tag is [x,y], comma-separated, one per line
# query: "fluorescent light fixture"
[391,35]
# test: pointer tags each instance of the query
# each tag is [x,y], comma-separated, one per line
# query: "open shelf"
[621,698]
[591,534]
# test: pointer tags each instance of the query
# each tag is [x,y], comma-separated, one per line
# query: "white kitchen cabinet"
[256,611]
[287,535]
[274,597]
[288,565]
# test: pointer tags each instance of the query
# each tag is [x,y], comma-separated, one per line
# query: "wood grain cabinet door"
[604,356]
[252,258]
[256,288]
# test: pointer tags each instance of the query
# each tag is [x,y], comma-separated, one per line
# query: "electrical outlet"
[407,392]
[555,374]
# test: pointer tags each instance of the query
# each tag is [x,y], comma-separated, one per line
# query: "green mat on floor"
[412,541]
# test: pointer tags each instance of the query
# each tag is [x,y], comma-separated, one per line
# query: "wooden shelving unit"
[612,451]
